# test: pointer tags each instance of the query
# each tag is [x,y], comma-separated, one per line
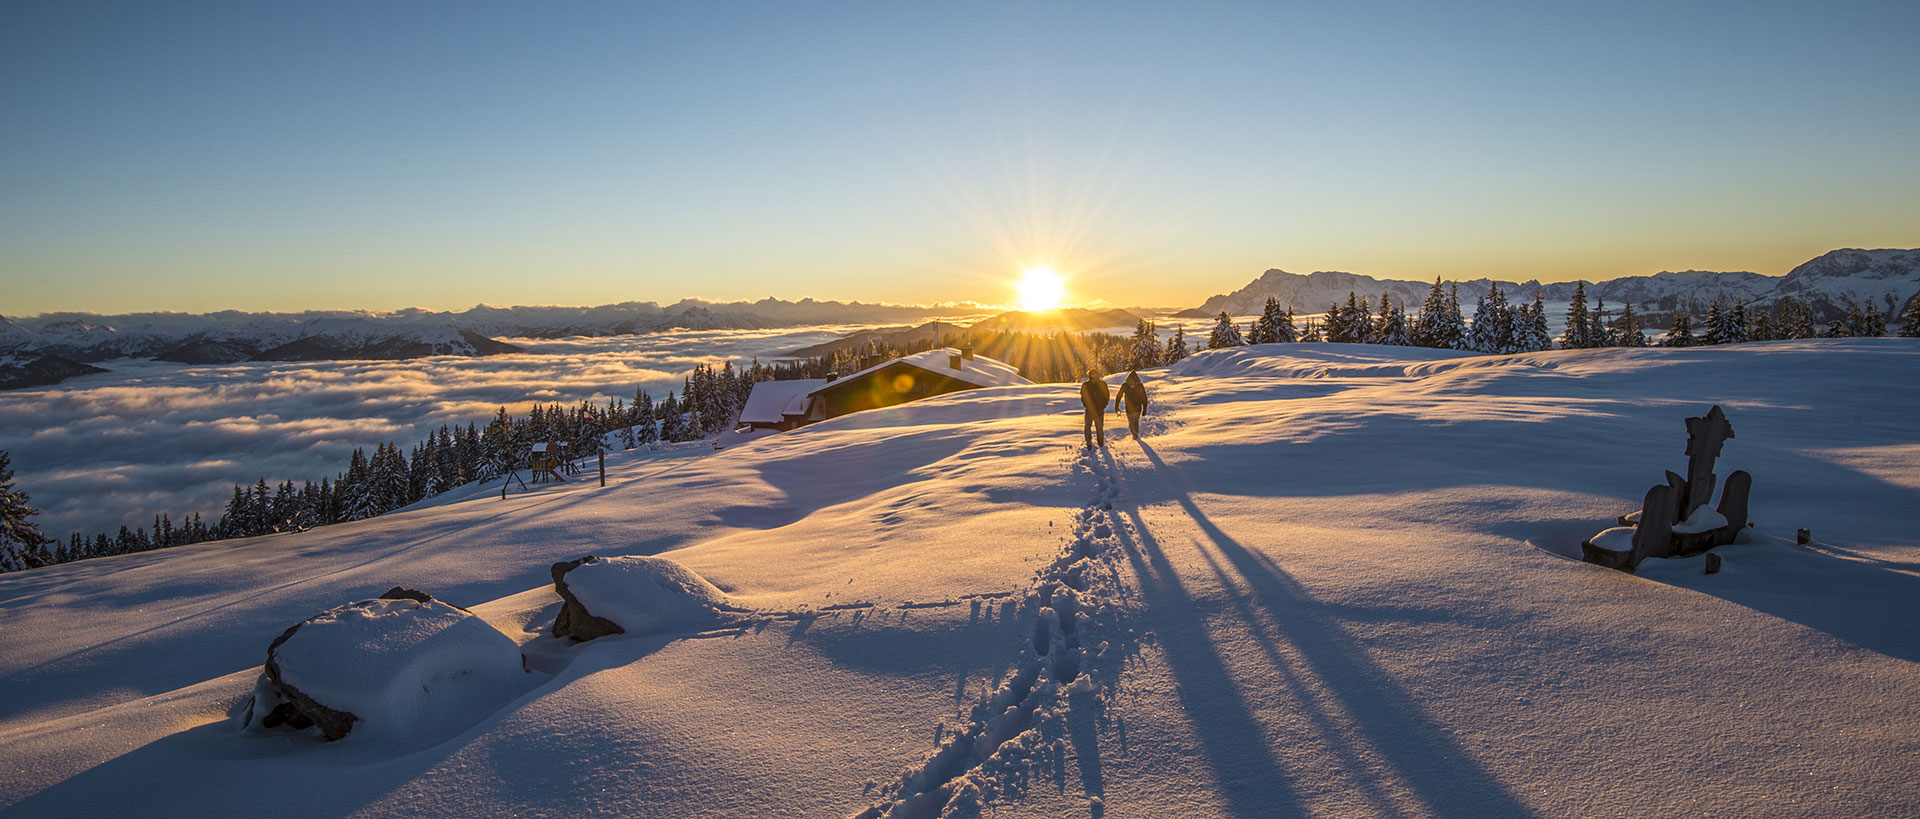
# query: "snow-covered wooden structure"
[778,405]
[922,375]
[784,405]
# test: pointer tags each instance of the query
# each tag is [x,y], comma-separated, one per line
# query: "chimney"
[966,353]
[954,361]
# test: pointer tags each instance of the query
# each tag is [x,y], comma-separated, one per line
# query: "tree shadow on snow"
[1395,726]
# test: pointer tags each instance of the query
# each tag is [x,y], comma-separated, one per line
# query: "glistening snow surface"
[1332,580]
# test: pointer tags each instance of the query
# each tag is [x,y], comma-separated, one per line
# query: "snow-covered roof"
[771,399]
[979,371]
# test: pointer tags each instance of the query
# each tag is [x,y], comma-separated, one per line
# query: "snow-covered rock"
[634,594]
[397,664]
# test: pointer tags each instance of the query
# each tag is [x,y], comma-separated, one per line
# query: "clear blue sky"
[202,156]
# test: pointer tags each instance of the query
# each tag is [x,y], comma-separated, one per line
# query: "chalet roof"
[979,371]
[772,399]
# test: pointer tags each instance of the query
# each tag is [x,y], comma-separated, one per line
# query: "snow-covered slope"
[1828,284]
[1332,580]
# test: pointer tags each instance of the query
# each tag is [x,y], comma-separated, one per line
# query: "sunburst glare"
[1040,289]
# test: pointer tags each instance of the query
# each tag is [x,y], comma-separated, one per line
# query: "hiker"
[1093,396]
[1133,394]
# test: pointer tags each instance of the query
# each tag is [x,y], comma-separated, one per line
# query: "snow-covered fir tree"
[1873,323]
[1794,319]
[1330,324]
[1392,327]
[1441,326]
[21,544]
[1272,316]
[672,421]
[1761,325]
[1600,332]
[1493,324]
[1716,326]
[1579,332]
[1144,352]
[1225,333]
[1176,346]
[1681,333]
[1737,323]
[1910,318]
[646,432]
[1283,331]
[1626,328]
[1312,333]
[1533,333]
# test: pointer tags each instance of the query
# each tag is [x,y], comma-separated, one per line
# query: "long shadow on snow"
[1433,765]
[214,770]
[1253,781]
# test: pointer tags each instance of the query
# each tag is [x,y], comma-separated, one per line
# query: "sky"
[199,156]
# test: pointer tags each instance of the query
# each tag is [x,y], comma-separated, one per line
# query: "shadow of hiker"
[1243,764]
[1437,769]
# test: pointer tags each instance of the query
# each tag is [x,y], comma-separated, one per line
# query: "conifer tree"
[1579,332]
[1225,333]
[1312,333]
[1176,346]
[1144,352]
[1393,324]
[1271,318]
[1873,324]
[1330,324]
[1283,331]
[1481,335]
[1910,318]
[21,544]
[1760,324]
[1423,328]
[1626,329]
[1600,333]
[1716,324]
[1736,320]
[1534,335]
[1681,333]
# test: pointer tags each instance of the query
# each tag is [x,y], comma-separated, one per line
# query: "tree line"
[1500,327]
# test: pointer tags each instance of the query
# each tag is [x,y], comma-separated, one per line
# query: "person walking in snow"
[1133,394]
[1094,396]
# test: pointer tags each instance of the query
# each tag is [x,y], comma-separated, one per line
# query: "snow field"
[1330,581]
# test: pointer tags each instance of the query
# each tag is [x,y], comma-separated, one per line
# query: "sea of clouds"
[149,437]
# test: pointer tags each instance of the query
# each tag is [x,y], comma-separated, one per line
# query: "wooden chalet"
[909,378]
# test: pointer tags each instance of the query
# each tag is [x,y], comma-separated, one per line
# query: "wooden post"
[603,469]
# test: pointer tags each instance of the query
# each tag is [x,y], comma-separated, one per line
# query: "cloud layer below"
[150,437]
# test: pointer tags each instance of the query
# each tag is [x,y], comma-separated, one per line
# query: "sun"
[1040,289]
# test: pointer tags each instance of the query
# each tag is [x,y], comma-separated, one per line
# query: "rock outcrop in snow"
[633,595]
[398,662]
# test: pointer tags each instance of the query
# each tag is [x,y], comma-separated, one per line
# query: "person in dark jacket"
[1133,394]
[1094,396]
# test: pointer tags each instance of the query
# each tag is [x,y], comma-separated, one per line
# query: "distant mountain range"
[1068,320]
[1828,284]
[66,340]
